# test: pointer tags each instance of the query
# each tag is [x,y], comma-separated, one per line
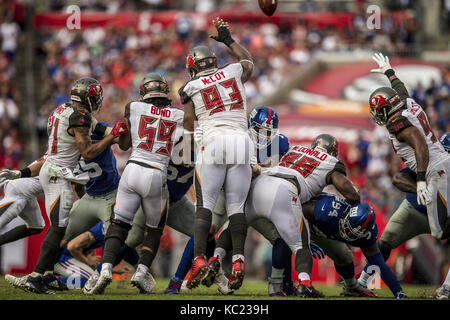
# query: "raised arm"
[404,182]
[386,69]
[237,50]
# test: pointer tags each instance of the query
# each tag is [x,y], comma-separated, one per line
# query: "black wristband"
[389,72]
[228,41]
[25,173]
[421,176]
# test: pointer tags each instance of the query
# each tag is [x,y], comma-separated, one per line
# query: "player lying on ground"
[414,141]
[77,262]
[408,221]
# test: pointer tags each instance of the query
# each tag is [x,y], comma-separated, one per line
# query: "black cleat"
[214,267]
[35,285]
[51,282]
[306,290]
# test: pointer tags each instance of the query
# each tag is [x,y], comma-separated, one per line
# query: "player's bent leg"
[181,216]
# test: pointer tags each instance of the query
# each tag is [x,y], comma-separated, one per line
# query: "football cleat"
[276,287]
[237,274]
[53,283]
[289,289]
[441,293]
[199,271]
[222,283]
[174,286]
[214,267]
[35,285]
[103,281]
[90,283]
[306,290]
[357,291]
[17,282]
[401,295]
[143,281]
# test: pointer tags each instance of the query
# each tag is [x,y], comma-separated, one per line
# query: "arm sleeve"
[79,119]
[127,111]
[399,86]
[339,167]
[100,129]
[398,124]
[183,95]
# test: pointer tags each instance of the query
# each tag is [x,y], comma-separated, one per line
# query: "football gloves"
[383,63]
[424,195]
[119,129]
[223,30]
[7,174]
[316,250]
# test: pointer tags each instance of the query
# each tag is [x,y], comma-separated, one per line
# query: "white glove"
[424,196]
[7,174]
[383,63]
[198,136]
[253,161]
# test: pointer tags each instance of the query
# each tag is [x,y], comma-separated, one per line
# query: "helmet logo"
[190,62]
[95,90]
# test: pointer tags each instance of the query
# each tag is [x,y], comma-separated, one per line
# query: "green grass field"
[251,290]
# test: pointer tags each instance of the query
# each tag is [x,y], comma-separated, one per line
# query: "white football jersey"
[153,133]
[311,168]
[62,149]
[415,116]
[219,100]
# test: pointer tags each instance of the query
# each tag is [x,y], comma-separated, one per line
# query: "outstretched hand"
[383,63]
[223,32]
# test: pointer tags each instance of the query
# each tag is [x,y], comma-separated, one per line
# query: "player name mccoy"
[213,78]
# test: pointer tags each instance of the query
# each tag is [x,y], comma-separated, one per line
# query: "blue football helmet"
[356,221]
[263,126]
[445,140]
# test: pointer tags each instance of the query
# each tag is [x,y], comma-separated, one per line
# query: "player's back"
[153,132]
[312,166]
[62,148]
[415,116]
[219,100]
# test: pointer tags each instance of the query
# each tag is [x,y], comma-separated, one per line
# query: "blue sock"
[281,259]
[347,271]
[386,273]
[386,252]
[186,260]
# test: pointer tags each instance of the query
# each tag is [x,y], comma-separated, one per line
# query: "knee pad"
[118,229]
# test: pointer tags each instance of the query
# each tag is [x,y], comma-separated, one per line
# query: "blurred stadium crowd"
[120,57]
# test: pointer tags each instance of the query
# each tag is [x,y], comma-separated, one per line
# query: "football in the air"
[268,6]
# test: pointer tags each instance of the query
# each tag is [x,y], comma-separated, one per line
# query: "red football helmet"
[383,103]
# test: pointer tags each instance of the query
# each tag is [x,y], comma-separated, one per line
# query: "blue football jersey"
[327,212]
[412,197]
[99,235]
[280,145]
[102,172]
[179,180]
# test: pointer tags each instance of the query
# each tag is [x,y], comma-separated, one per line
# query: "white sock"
[447,279]
[363,278]
[238,256]
[220,253]
[303,276]
[276,273]
[106,266]
[142,268]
